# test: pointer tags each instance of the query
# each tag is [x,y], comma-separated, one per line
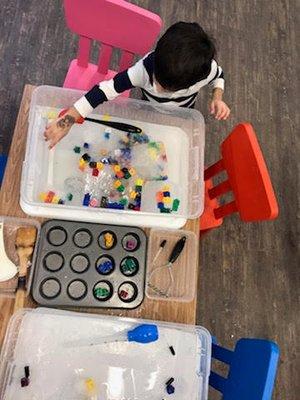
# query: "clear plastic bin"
[42,340]
[8,254]
[159,285]
[180,130]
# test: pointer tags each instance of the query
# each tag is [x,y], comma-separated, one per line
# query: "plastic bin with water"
[181,130]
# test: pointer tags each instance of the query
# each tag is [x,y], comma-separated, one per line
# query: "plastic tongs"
[175,253]
[121,126]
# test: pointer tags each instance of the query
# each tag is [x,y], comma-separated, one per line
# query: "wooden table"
[9,205]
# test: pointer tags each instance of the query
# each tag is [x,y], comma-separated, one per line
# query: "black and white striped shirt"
[141,75]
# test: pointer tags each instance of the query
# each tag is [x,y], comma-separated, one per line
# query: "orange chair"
[114,23]
[247,178]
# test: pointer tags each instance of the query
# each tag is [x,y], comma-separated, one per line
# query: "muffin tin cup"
[80,265]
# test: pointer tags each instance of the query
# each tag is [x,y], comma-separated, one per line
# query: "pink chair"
[114,23]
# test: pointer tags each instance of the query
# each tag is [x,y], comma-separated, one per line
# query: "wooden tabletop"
[9,205]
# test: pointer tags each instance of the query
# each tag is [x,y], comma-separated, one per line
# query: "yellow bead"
[132,194]
[106,117]
[117,168]
[139,182]
[166,188]
[90,386]
[100,166]
[132,171]
[167,200]
[55,200]
[52,114]
[42,196]
[117,184]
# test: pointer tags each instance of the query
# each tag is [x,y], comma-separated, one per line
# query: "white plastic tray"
[38,338]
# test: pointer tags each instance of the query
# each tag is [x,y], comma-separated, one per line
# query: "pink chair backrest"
[114,23]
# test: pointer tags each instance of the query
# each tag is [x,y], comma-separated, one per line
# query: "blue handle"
[145,333]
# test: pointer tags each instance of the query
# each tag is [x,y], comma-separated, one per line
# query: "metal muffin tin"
[90,265]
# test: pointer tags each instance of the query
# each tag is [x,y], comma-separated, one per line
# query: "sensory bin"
[101,174]
[46,357]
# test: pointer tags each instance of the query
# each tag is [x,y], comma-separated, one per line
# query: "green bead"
[165,210]
[175,206]
[70,196]
[121,188]
[101,292]
[123,202]
[77,149]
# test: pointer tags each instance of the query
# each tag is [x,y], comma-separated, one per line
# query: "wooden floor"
[249,278]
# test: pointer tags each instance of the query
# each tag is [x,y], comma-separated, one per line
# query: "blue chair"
[252,370]
[3,160]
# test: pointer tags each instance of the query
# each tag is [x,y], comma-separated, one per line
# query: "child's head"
[183,56]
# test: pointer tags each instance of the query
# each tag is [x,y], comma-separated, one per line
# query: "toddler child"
[181,64]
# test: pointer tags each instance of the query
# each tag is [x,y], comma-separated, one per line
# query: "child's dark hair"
[183,56]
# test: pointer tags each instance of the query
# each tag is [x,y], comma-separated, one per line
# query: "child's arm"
[217,106]
[106,90]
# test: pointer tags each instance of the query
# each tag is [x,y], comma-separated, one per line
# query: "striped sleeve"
[110,89]
[218,80]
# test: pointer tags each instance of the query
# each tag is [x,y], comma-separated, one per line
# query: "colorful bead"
[103,202]
[86,145]
[139,182]
[42,196]
[117,184]
[120,174]
[69,196]
[121,188]
[86,157]
[132,194]
[94,203]
[55,200]
[76,149]
[49,197]
[167,200]
[86,199]
[93,164]
[95,172]
[175,205]
[106,117]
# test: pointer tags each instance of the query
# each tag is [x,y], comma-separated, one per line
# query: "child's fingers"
[212,107]
[223,114]
[227,114]
[219,113]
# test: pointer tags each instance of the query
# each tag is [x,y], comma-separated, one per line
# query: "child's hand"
[220,109]
[60,127]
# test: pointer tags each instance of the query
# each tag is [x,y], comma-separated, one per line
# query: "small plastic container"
[181,131]
[41,339]
[8,228]
[159,285]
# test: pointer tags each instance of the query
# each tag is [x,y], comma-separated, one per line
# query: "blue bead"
[170,389]
[86,200]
